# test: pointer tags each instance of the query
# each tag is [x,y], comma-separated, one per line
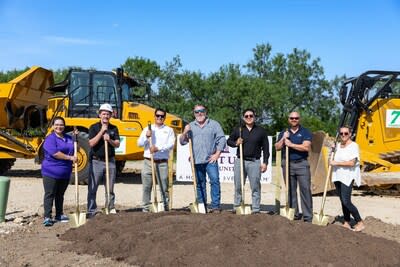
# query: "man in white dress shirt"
[163,140]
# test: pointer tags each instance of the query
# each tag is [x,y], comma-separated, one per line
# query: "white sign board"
[393,118]
[121,150]
[225,163]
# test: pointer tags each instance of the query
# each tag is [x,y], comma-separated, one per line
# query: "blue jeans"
[213,174]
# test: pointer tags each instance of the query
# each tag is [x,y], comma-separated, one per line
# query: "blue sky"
[349,37]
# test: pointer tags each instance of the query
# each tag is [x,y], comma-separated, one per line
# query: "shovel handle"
[192,165]
[153,171]
[76,170]
[107,174]
[241,166]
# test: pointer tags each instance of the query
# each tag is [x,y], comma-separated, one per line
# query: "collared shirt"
[162,137]
[254,141]
[206,140]
[99,149]
[302,134]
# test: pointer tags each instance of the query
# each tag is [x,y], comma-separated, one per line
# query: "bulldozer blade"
[287,212]
[320,219]
[243,210]
[156,207]
[77,219]
[197,208]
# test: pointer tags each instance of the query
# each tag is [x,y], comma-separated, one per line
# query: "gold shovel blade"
[77,219]
[243,210]
[157,207]
[287,212]
[197,208]
[320,219]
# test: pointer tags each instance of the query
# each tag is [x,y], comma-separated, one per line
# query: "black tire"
[120,165]
[5,165]
[83,159]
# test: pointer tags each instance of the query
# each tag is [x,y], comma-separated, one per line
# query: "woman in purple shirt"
[56,170]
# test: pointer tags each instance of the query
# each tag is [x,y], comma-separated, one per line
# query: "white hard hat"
[106,107]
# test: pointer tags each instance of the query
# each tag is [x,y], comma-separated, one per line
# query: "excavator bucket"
[318,158]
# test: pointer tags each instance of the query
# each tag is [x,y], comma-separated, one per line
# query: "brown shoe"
[360,226]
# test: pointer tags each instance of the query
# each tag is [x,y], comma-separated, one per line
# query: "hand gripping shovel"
[107,206]
[195,207]
[287,211]
[320,218]
[77,218]
[155,206]
[242,209]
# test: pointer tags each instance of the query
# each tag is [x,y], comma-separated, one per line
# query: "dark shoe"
[48,222]
[255,212]
[214,210]
[62,218]
[297,217]
[90,215]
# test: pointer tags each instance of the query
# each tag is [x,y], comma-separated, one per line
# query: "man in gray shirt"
[208,143]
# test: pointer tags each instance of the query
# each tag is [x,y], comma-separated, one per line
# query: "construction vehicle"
[371,107]
[32,100]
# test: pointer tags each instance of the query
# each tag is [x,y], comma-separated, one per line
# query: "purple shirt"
[57,168]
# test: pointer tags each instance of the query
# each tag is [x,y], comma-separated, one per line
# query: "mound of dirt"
[180,238]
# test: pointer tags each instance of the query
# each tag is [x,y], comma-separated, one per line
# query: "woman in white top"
[346,171]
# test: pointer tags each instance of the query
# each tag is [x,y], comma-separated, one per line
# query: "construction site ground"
[177,237]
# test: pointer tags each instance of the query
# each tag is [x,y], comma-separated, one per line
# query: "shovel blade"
[320,219]
[77,219]
[197,208]
[156,207]
[243,210]
[287,212]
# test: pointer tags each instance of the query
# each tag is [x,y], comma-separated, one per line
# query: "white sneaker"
[113,211]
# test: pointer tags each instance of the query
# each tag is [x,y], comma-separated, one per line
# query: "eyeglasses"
[249,116]
[294,118]
[61,125]
[200,111]
[344,133]
[160,116]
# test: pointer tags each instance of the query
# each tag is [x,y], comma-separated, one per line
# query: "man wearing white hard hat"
[99,133]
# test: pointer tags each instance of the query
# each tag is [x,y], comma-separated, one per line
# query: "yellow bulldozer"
[31,101]
[371,107]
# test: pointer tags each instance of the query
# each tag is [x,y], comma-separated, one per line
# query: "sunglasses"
[344,133]
[248,116]
[199,111]
[294,118]
[160,116]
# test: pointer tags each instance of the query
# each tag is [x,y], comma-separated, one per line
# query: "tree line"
[272,84]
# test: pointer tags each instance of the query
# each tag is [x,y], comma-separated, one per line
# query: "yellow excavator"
[31,101]
[371,107]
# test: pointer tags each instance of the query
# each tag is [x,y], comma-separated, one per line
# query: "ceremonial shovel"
[320,218]
[107,207]
[287,211]
[77,218]
[242,209]
[155,206]
[195,207]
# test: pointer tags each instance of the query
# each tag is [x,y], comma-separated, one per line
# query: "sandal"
[347,226]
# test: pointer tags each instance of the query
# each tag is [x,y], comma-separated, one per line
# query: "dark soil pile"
[180,238]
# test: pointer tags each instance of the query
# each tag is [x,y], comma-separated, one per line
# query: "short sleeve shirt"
[98,149]
[302,134]
[347,174]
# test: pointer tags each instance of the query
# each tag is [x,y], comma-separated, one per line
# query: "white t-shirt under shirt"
[347,174]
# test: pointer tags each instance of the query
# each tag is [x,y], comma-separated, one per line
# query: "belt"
[297,160]
[100,158]
[158,160]
[249,159]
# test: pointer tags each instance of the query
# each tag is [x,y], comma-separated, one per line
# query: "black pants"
[54,190]
[344,193]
